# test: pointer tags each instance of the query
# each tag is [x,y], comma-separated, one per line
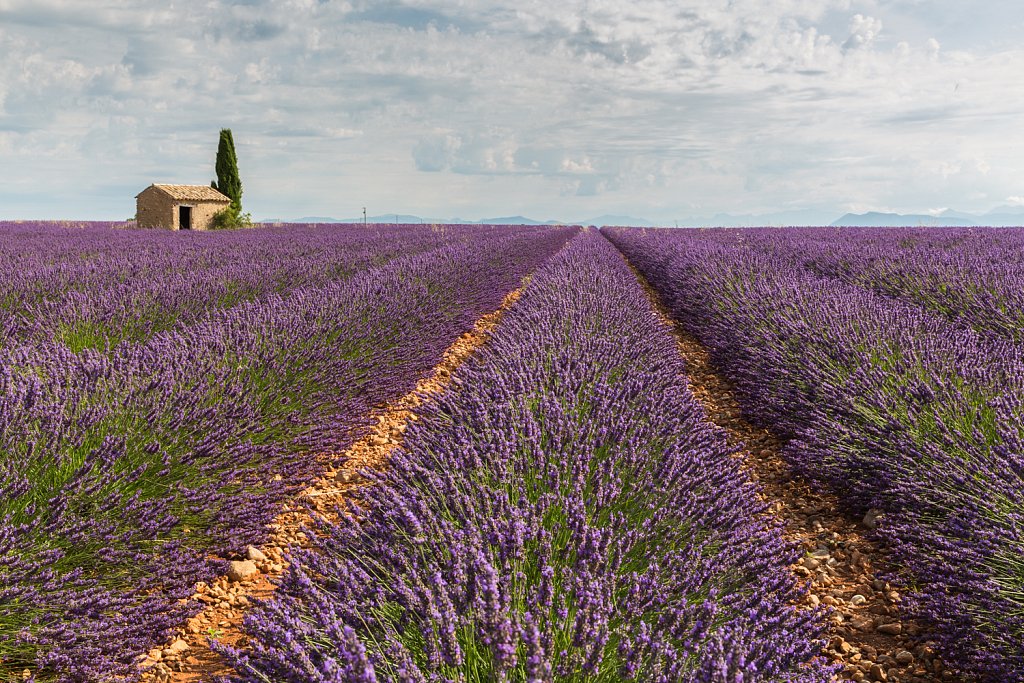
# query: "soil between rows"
[867,634]
[188,658]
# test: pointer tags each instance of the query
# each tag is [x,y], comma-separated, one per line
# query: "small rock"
[177,647]
[890,629]
[904,657]
[877,673]
[255,554]
[861,623]
[871,518]
[811,563]
[240,570]
[858,600]
[348,477]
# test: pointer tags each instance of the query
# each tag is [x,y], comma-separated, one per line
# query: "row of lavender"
[92,287]
[121,473]
[974,277]
[564,512]
[883,401]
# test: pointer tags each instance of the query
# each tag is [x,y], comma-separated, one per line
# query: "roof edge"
[213,194]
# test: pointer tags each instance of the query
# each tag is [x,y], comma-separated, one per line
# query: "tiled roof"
[203,193]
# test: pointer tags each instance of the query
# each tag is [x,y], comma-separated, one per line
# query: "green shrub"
[227,219]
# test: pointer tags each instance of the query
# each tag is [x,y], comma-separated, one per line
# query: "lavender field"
[133,463]
[568,507]
[889,361]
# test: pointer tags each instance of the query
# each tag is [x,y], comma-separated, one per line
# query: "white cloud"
[863,31]
[554,109]
[582,166]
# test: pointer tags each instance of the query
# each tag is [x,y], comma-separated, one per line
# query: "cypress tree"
[228,183]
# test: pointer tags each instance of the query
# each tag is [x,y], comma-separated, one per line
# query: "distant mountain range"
[874,218]
[1003,216]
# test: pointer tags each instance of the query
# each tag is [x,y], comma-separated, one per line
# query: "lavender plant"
[972,276]
[90,287]
[884,402]
[564,512]
[125,473]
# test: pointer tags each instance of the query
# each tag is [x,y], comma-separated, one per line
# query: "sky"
[555,110]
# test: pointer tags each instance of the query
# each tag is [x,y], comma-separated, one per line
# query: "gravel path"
[866,632]
[188,657]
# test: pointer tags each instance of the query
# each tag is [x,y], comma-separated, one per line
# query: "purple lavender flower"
[564,511]
[126,463]
[874,354]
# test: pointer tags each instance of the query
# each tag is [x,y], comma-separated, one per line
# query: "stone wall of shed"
[154,209]
[203,212]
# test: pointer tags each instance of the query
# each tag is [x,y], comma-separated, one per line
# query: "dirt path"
[866,631]
[188,657]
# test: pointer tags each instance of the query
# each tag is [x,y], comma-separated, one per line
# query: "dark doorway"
[184,217]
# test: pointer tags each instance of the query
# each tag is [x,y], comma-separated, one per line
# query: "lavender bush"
[974,277]
[91,287]
[564,512]
[886,403]
[122,472]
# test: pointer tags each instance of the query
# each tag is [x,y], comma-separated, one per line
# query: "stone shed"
[178,207]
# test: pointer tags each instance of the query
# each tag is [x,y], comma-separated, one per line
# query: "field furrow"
[227,597]
[845,567]
[563,512]
[913,422]
[129,476]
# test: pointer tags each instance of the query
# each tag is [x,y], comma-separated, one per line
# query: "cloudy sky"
[566,110]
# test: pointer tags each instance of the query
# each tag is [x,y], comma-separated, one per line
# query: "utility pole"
[364,216]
